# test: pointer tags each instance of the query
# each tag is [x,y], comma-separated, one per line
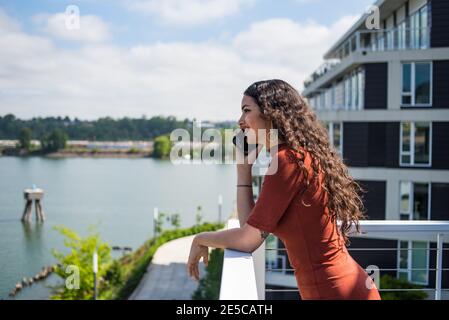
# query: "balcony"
[365,41]
[244,275]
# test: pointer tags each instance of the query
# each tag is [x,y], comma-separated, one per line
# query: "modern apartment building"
[384,96]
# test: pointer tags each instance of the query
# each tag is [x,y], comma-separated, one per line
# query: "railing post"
[439,265]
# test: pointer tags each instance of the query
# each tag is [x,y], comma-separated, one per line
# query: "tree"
[175,220]
[162,147]
[25,138]
[103,129]
[55,141]
[80,258]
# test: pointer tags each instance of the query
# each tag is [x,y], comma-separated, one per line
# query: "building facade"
[383,94]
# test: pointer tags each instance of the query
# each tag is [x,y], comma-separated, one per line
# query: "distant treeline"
[103,129]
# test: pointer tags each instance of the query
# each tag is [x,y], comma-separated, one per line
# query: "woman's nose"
[241,122]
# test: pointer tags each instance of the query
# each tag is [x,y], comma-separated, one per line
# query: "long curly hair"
[299,127]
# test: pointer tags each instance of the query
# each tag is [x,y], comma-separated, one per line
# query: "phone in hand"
[240,140]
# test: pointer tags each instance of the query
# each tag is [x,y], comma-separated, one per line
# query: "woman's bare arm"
[246,239]
[245,199]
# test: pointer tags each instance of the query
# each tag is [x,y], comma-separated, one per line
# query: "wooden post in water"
[31,195]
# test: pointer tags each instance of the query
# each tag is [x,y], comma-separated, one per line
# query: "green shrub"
[389,282]
[115,274]
[209,286]
[80,256]
[162,147]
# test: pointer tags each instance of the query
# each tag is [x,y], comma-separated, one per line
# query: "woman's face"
[252,118]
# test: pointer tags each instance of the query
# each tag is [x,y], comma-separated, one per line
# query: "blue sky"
[188,58]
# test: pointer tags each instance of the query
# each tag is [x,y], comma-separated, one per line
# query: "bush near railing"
[389,282]
[127,274]
[209,286]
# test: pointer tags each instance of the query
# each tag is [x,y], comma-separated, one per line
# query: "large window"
[414,202]
[417,84]
[413,256]
[416,144]
[346,94]
[354,88]
[413,261]
[419,29]
[335,132]
[339,102]
[402,35]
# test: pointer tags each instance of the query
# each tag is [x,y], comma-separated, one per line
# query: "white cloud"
[291,43]
[187,12]
[203,80]
[91,28]
[6,23]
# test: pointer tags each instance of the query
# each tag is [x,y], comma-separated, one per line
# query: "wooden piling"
[33,195]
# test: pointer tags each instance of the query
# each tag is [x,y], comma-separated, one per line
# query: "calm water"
[118,195]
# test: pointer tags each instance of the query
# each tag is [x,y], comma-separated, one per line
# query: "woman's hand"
[197,252]
[246,162]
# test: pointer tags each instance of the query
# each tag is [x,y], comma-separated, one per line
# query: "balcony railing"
[244,274]
[239,279]
[365,41]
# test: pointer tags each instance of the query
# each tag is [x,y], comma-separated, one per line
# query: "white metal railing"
[398,38]
[238,276]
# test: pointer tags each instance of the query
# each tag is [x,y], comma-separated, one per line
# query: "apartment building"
[384,96]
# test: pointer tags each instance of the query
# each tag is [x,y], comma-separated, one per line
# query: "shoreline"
[98,155]
[84,154]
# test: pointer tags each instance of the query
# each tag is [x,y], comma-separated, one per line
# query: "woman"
[300,200]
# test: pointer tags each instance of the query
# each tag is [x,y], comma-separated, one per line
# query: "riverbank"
[79,153]
[81,149]
[98,154]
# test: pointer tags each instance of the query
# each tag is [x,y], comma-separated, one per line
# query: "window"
[413,261]
[355,92]
[402,35]
[347,94]
[380,42]
[390,39]
[415,144]
[339,95]
[417,84]
[335,132]
[328,98]
[354,88]
[413,256]
[419,29]
[414,202]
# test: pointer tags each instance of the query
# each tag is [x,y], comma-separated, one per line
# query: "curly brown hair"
[299,127]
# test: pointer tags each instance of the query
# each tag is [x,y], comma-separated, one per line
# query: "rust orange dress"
[323,266]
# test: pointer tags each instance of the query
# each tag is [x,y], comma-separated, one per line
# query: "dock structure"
[33,195]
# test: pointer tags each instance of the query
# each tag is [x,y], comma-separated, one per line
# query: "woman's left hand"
[196,252]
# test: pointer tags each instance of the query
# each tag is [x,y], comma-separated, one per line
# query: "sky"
[134,58]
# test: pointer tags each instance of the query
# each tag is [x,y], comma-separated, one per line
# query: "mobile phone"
[240,140]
